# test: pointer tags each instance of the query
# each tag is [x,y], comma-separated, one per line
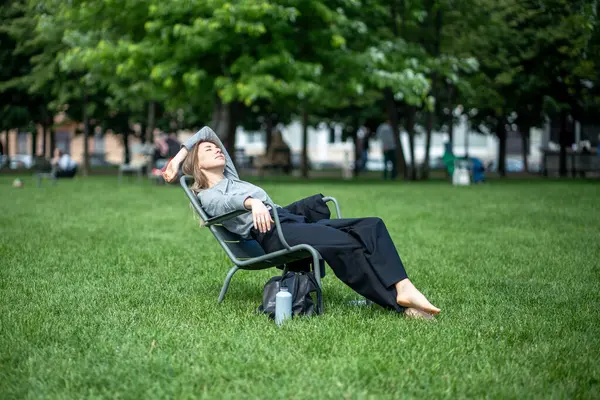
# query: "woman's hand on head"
[261,216]
[171,170]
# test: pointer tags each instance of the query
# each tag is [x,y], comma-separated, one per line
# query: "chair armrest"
[220,218]
[335,202]
[233,214]
[278,226]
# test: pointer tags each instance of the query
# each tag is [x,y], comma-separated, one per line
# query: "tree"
[533,63]
[20,107]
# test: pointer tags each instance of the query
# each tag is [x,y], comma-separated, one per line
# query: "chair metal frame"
[48,175]
[254,260]
[137,166]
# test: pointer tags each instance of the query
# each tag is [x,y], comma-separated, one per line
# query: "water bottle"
[283,305]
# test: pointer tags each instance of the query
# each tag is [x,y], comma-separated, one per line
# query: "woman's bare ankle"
[410,297]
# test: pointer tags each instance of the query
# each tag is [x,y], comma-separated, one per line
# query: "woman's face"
[210,156]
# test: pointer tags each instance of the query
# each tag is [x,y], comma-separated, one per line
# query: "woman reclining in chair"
[359,250]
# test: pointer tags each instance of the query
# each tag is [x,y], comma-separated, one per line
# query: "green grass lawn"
[110,291]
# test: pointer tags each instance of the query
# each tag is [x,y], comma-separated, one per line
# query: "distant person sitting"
[478,170]
[65,166]
[173,145]
[161,148]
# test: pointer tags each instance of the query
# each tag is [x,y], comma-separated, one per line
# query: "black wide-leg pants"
[360,252]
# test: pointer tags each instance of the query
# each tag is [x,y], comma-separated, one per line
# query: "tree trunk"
[126,152]
[524,130]
[52,142]
[410,128]
[428,129]
[392,113]
[231,123]
[86,135]
[217,117]
[269,131]
[394,14]
[357,145]
[34,136]
[7,145]
[467,133]
[44,139]
[390,102]
[431,115]
[224,123]
[451,122]
[501,132]
[142,133]
[151,121]
[220,118]
[562,170]
[304,144]
[331,133]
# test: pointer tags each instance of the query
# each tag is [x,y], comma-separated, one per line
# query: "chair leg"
[230,274]
[317,271]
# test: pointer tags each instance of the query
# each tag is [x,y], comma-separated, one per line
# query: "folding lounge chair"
[248,254]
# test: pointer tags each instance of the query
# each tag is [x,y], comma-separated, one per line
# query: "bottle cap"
[283,289]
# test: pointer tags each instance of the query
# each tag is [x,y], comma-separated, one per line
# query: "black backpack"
[301,285]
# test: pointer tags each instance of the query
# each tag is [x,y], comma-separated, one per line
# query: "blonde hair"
[191,167]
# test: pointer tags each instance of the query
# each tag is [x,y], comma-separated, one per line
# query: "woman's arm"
[208,134]
[260,214]
[216,204]
[172,169]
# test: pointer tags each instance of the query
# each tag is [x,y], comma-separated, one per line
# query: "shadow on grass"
[345,299]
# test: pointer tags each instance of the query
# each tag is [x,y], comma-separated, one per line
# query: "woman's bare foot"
[416,314]
[410,297]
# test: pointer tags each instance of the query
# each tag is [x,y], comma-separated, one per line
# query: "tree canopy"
[185,63]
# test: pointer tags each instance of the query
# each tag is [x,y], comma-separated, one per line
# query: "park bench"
[141,155]
[578,164]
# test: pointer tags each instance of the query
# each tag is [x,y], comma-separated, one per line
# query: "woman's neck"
[213,177]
